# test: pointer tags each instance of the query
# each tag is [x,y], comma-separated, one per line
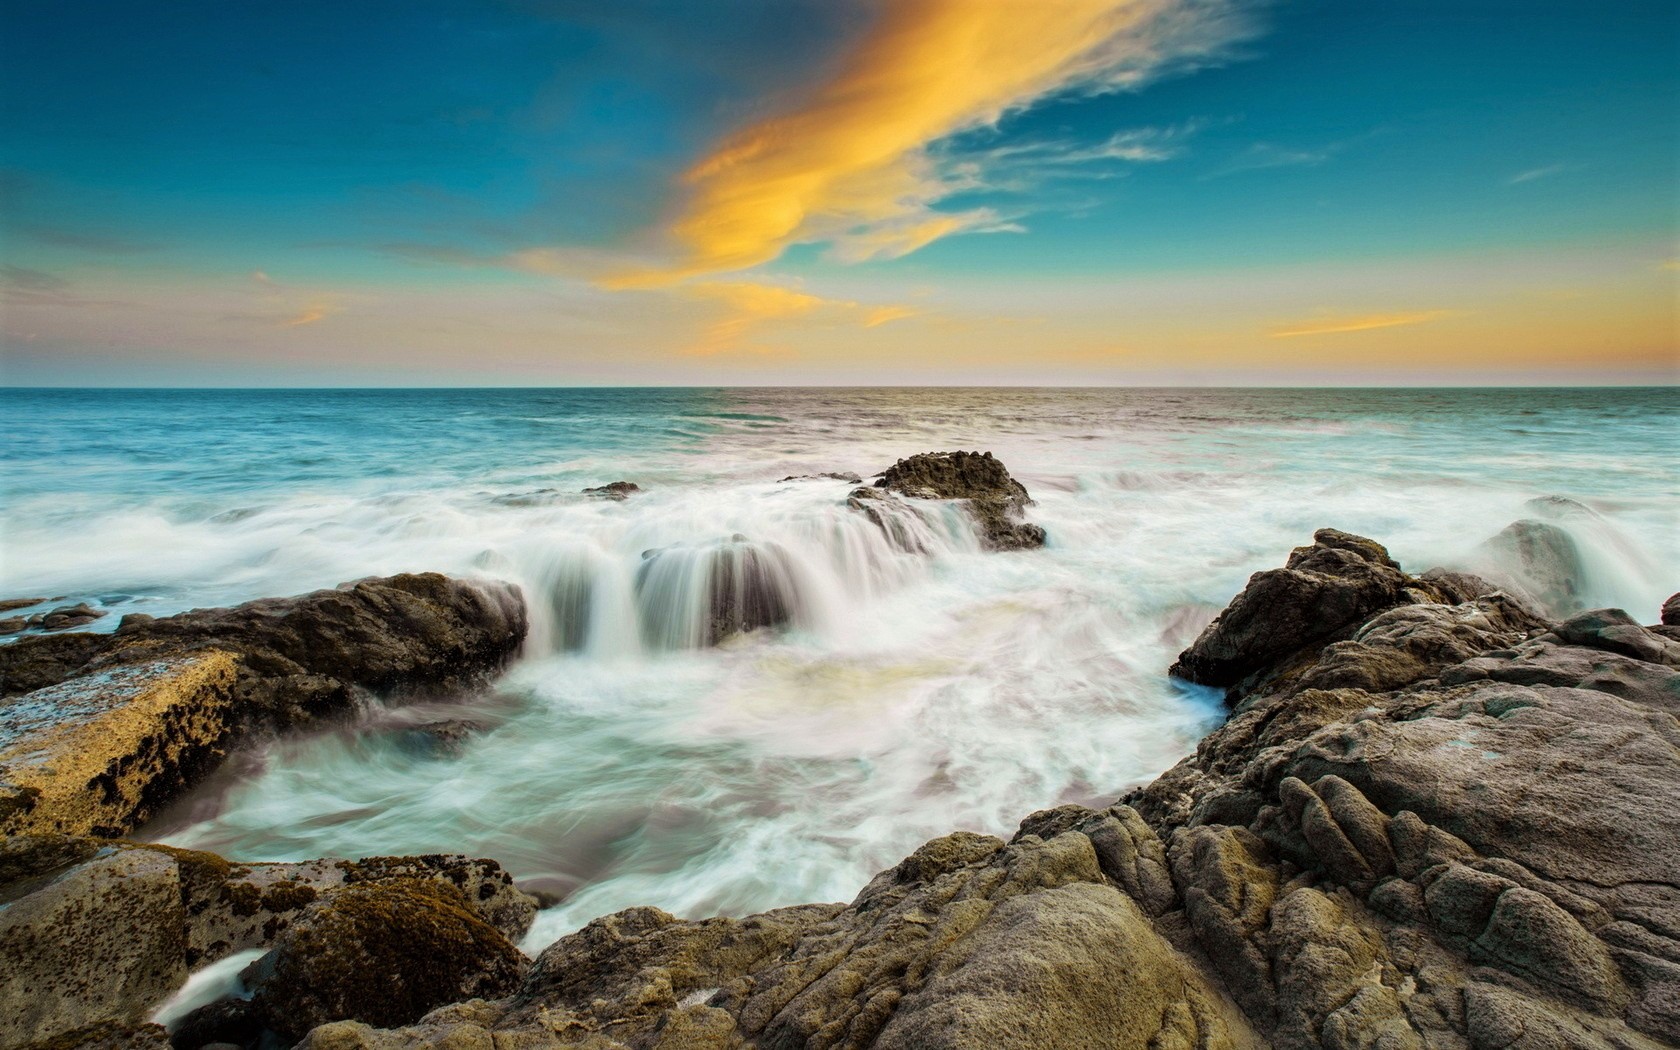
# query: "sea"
[920,688]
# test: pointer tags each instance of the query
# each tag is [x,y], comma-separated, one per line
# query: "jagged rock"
[1324,591]
[996,500]
[101,752]
[97,944]
[617,491]
[1542,562]
[384,953]
[1671,611]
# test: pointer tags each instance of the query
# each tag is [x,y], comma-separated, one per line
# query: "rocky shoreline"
[1436,816]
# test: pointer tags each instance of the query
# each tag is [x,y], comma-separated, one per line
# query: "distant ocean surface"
[916,693]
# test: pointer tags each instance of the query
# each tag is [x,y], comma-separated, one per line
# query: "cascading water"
[877,679]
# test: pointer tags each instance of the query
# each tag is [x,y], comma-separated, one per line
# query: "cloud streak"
[851,166]
[752,305]
[1366,323]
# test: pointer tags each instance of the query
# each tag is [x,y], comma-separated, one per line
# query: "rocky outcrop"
[94,935]
[1322,593]
[617,491]
[992,498]
[99,730]
[100,753]
[1432,820]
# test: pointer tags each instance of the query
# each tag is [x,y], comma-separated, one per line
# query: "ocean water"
[623,762]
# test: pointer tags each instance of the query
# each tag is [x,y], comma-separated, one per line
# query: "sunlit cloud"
[753,305]
[310,315]
[1365,323]
[852,167]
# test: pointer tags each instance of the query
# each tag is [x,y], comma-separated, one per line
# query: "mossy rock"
[384,954]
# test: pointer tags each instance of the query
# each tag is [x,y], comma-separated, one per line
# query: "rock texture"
[383,953]
[995,500]
[1432,820]
[99,753]
[617,491]
[98,730]
[94,935]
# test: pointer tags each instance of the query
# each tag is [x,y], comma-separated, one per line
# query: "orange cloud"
[1334,326]
[850,166]
[752,304]
[309,316]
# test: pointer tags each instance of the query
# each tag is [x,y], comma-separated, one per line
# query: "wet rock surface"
[384,953]
[100,753]
[1433,819]
[95,935]
[996,501]
[617,491]
[99,730]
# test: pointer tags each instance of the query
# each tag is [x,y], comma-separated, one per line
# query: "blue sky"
[1161,190]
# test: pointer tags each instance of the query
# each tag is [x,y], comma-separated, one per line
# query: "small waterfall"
[642,582]
[694,596]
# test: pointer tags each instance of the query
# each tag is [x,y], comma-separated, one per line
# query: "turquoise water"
[914,693]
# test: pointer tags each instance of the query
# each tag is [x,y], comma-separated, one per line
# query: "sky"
[853,192]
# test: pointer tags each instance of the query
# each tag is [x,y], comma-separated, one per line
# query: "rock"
[66,616]
[844,475]
[100,933]
[443,739]
[235,907]
[8,604]
[100,753]
[1324,591]
[617,491]
[692,596]
[995,499]
[226,1022]
[13,624]
[99,944]
[385,954]
[1542,562]
[302,656]
[1671,611]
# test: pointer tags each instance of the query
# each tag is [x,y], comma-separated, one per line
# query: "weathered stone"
[102,752]
[383,953]
[101,943]
[1323,591]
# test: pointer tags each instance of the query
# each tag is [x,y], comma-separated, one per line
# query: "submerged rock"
[693,596]
[994,499]
[618,491]
[841,475]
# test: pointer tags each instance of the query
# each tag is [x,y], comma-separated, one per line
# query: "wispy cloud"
[753,305]
[1535,173]
[84,240]
[852,166]
[290,307]
[1262,156]
[1361,323]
